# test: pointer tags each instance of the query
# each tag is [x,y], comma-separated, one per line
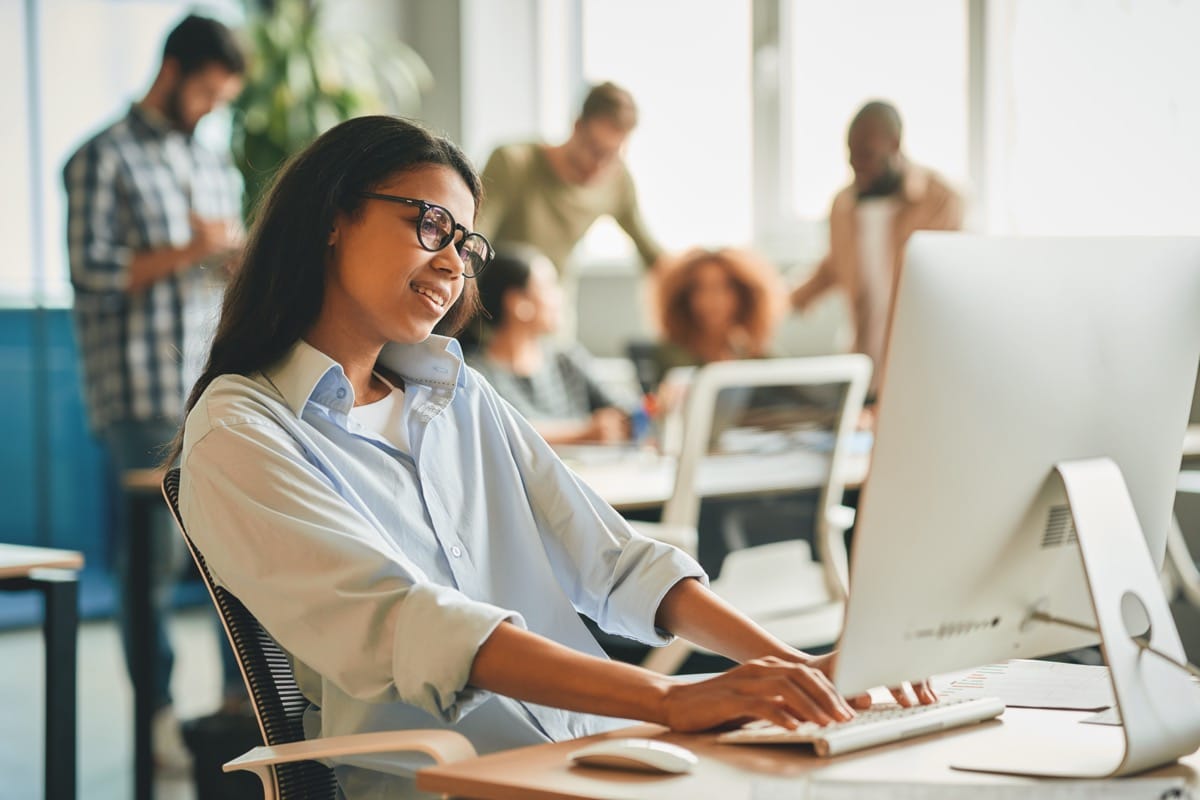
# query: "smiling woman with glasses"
[401,531]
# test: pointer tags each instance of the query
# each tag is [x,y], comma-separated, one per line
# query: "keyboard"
[879,725]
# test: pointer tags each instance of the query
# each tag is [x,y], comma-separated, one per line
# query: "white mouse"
[646,755]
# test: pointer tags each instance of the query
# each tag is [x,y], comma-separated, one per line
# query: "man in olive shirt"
[548,196]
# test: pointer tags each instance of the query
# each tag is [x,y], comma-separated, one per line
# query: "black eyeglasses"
[436,229]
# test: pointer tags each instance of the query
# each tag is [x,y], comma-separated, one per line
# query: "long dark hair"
[277,292]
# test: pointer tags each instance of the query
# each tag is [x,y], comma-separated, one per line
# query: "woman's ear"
[333,236]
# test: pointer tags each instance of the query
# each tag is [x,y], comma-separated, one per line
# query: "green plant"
[303,79]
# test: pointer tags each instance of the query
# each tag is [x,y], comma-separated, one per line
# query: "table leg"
[143,643]
[60,628]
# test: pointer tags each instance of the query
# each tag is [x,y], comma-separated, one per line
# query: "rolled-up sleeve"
[98,257]
[611,573]
[322,579]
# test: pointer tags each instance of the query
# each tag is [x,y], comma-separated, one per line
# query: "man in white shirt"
[869,224]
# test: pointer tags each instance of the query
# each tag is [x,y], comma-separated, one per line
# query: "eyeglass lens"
[437,228]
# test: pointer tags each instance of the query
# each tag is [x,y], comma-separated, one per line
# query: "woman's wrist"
[658,692]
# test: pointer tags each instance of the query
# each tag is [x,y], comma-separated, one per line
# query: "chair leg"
[668,659]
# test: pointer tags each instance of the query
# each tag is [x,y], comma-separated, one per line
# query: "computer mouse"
[645,755]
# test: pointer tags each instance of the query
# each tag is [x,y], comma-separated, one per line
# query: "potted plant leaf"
[303,79]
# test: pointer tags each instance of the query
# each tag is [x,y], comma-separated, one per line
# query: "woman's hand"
[780,691]
[906,694]
[608,425]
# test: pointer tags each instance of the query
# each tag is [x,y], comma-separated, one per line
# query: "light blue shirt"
[382,572]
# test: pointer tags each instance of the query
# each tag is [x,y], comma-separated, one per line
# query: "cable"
[1141,641]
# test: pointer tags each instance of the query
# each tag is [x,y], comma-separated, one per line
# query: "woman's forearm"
[523,665]
[694,612]
[782,690]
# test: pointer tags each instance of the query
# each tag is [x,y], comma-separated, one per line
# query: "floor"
[105,711]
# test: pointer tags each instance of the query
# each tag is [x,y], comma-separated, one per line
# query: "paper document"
[1122,789]
[1033,684]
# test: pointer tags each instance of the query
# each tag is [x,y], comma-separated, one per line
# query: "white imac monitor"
[1007,357]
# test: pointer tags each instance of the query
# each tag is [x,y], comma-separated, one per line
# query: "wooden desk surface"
[733,772]
[17,561]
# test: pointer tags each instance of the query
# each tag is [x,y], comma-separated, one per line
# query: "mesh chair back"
[267,671]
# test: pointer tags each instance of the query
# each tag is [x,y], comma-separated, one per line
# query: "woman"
[716,305]
[424,564]
[549,385]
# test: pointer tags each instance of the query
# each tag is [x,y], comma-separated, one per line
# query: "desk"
[53,573]
[143,492]
[630,479]
[731,771]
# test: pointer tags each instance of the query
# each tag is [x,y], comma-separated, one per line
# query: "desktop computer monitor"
[1008,356]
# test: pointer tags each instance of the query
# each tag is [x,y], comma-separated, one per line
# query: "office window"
[688,64]
[1097,118]
[843,54]
[16,221]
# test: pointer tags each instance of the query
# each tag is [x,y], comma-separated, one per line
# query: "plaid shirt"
[130,188]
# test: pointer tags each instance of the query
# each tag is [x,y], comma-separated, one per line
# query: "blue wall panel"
[54,481]
[78,471]
[18,496]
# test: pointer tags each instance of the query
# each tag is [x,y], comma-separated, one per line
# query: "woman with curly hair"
[717,305]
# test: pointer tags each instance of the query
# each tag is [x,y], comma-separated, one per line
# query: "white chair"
[779,585]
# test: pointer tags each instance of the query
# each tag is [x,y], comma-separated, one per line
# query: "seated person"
[412,543]
[716,305]
[548,384]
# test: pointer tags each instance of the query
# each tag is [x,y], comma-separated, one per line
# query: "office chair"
[779,585]
[288,765]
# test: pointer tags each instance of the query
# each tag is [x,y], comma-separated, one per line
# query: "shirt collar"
[151,120]
[437,361]
[306,373]
[916,183]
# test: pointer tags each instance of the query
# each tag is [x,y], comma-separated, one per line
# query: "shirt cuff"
[647,570]
[437,636]
[106,269]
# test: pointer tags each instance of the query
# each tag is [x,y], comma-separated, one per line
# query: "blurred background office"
[1046,116]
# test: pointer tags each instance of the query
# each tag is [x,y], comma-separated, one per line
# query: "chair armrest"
[442,746]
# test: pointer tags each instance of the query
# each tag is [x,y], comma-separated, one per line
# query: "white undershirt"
[385,416]
[876,265]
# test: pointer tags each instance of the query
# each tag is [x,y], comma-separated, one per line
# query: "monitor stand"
[1159,706]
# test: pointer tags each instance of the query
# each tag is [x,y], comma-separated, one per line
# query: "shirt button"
[341,393]
[456,550]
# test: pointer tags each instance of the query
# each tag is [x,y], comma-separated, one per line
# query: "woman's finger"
[823,689]
[904,695]
[799,702]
